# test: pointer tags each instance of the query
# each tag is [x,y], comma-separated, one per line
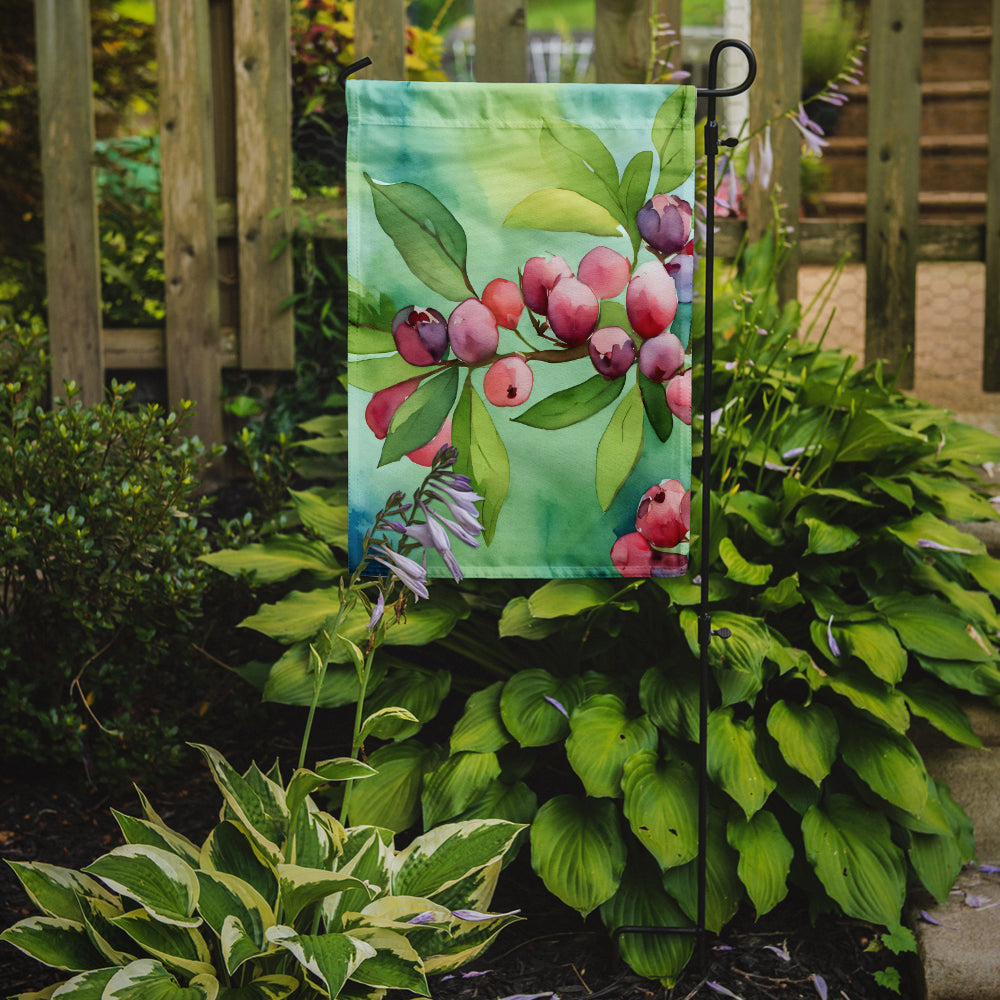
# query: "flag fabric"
[520,272]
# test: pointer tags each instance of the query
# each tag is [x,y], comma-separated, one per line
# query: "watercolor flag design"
[521,267]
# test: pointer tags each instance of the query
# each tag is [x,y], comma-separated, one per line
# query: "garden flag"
[520,280]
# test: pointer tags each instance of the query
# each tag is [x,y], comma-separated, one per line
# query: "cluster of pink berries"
[662,522]
[565,308]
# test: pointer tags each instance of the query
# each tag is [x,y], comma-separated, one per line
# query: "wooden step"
[964,206]
[940,13]
[956,53]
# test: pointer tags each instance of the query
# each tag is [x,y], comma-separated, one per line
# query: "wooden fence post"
[500,41]
[262,61]
[991,331]
[380,34]
[190,251]
[623,37]
[776,35]
[893,183]
[72,256]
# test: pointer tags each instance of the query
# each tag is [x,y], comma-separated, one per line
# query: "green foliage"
[101,587]
[279,899]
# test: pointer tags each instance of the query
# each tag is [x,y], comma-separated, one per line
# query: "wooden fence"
[226,162]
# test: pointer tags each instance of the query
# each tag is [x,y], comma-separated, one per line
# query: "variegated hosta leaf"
[765,858]
[315,838]
[732,760]
[273,987]
[468,939]
[329,959]
[141,831]
[225,897]
[578,851]
[888,763]
[475,891]
[158,880]
[304,782]
[54,941]
[367,853]
[535,706]
[56,891]
[661,798]
[116,947]
[177,947]
[395,964]
[441,857]
[86,986]
[147,979]
[807,736]
[300,887]
[256,801]
[391,799]
[230,849]
[456,784]
[481,727]
[642,902]
[850,847]
[602,737]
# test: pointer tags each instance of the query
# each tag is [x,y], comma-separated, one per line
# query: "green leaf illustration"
[673,141]
[570,406]
[654,401]
[634,185]
[619,448]
[582,163]
[373,374]
[421,416]
[481,455]
[555,210]
[428,237]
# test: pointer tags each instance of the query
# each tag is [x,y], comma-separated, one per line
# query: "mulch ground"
[551,952]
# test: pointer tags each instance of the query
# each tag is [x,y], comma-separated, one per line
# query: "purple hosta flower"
[410,573]
[427,917]
[780,952]
[820,983]
[760,165]
[719,988]
[377,611]
[729,193]
[475,915]
[557,704]
[989,869]
[472,974]
[927,543]
[430,534]
[831,642]
[812,134]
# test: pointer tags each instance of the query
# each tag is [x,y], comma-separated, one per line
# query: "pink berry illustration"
[679,396]
[573,310]
[503,299]
[421,335]
[611,351]
[472,331]
[633,556]
[664,514]
[665,223]
[661,357]
[382,406]
[424,455]
[508,381]
[538,279]
[681,269]
[605,270]
[651,299]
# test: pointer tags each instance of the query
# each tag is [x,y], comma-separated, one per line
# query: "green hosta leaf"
[671,699]
[418,690]
[760,512]
[331,959]
[482,455]
[578,851]
[620,447]
[932,628]
[279,558]
[481,728]
[976,678]
[515,803]
[738,569]
[928,528]
[558,598]
[965,443]
[327,520]
[641,901]
[738,661]
[291,680]
[163,884]
[456,784]
[304,782]
[274,987]
[975,605]
[732,760]
[807,736]
[673,139]
[388,722]
[876,646]
[147,979]
[937,858]
[765,858]
[428,237]
[850,847]
[517,620]
[395,964]
[570,406]
[56,891]
[391,798]
[230,849]
[723,889]
[986,572]
[936,704]
[528,710]
[420,415]
[181,948]
[661,798]
[373,374]
[301,887]
[602,738]
[783,595]
[888,763]
[957,501]
[867,693]
[827,539]
[438,859]
[870,436]
[555,210]
[54,941]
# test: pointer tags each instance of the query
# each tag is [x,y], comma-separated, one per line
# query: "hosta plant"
[279,900]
